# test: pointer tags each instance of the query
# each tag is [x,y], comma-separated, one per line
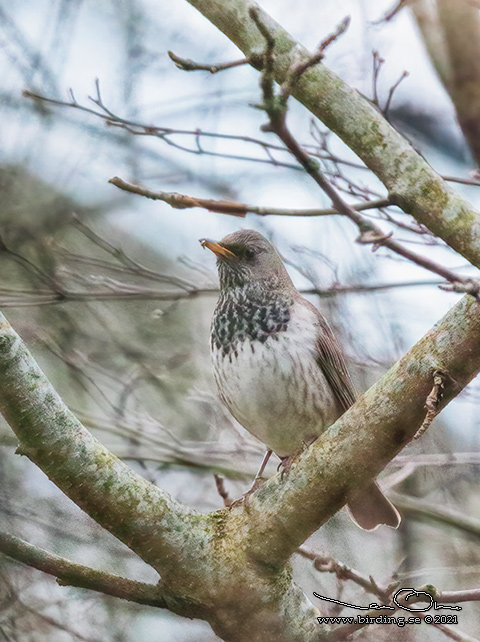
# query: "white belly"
[276,389]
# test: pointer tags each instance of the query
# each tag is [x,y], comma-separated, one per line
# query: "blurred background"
[113,293]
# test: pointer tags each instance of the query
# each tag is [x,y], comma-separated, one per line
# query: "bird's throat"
[249,314]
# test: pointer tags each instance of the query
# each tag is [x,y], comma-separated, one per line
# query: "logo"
[419,596]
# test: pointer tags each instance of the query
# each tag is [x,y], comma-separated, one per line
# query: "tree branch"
[412,183]
[191,551]
[71,574]
[182,201]
[326,564]
[275,107]
[185,64]
[141,515]
[166,134]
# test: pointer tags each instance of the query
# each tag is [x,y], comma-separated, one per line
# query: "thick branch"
[71,574]
[190,550]
[411,181]
[359,445]
[141,515]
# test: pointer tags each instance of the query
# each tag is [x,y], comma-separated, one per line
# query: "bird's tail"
[370,508]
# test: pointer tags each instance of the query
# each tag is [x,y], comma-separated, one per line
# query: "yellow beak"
[218,249]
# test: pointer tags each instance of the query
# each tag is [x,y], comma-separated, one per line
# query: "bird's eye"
[249,254]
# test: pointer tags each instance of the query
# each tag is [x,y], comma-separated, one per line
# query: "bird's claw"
[245,497]
[285,465]
[286,462]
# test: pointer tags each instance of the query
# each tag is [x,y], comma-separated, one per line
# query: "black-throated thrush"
[278,367]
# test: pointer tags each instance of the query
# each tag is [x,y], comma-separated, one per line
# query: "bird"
[278,367]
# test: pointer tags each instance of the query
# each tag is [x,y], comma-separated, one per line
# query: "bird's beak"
[217,248]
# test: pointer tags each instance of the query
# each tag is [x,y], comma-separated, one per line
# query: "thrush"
[277,365]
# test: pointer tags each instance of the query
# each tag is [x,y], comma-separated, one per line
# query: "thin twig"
[377,65]
[369,232]
[392,12]
[164,133]
[298,70]
[326,564]
[133,266]
[462,181]
[182,201]
[222,491]
[185,64]
[393,88]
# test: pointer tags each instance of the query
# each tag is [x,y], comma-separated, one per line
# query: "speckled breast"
[265,366]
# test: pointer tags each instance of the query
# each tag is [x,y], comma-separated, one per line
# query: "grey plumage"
[277,364]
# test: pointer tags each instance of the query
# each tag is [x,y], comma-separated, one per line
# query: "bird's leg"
[285,465]
[256,482]
[258,477]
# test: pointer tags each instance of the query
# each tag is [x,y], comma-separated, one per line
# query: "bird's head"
[247,258]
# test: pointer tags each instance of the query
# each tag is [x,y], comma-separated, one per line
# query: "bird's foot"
[286,462]
[285,465]
[258,481]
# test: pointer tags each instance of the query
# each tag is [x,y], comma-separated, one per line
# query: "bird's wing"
[332,362]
